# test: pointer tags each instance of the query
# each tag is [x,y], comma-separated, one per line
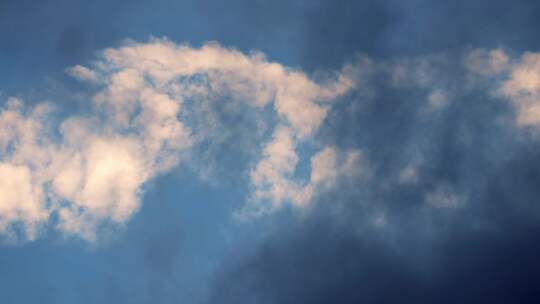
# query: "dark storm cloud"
[323,263]
[483,249]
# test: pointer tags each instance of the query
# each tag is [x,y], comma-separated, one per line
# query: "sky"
[269,151]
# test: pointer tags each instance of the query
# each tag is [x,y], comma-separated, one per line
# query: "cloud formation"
[156,102]
[450,212]
[90,170]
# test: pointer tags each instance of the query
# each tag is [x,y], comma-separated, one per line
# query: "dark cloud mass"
[378,241]
[482,251]
[325,264]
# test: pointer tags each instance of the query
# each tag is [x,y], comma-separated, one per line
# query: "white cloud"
[94,171]
[274,182]
[157,101]
[250,78]
[21,198]
[271,176]
[516,79]
[522,88]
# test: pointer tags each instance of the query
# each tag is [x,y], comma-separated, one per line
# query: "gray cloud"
[449,215]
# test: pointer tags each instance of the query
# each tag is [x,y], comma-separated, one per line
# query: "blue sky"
[269,151]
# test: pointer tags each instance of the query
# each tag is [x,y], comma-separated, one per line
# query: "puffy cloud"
[25,152]
[158,101]
[21,198]
[516,79]
[251,78]
[86,173]
[91,169]
[523,88]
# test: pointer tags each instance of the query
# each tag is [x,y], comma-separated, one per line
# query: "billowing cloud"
[515,79]
[158,102]
[91,169]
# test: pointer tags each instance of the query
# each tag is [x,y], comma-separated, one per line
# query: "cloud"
[91,169]
[82,73]
[21,198]
[326,262]
[515,79]
[449,213]
[437,99]
[159,103]
[330,164]
[487,62]
[522,87]
[25,151]
[273,176]
[443,197]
